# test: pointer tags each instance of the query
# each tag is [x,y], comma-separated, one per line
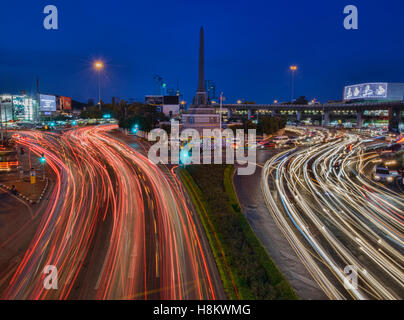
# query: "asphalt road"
[169,171]
[114,225]
[17,226]
[261,221]
[335,217]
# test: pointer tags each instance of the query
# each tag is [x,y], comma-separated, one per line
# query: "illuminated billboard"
[24,108]
[47,103]
[366,91]
[65,104]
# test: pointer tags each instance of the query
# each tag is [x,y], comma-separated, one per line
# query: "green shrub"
[252,274]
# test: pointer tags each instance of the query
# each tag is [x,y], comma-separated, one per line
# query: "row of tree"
[146,117]
[266,125]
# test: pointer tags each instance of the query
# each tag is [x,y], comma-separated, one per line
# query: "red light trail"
[116,226]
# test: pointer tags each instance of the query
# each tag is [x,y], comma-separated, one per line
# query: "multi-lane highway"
[114,225]
[335,216]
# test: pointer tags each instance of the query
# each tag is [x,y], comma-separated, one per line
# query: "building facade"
[19,108]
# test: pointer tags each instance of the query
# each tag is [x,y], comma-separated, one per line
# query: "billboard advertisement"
[24,108]
[366,91]
[65,103]
[47,103]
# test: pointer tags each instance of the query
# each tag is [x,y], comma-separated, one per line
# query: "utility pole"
[1,122]
[293,69]
[99,88]
[99,65]
[38,99]
[220,110]
[5,125]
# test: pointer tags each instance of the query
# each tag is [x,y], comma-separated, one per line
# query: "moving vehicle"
[280,140]
[267,144]
[382,174]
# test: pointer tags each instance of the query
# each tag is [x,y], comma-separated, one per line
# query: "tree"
[91,113]
[270,125]
[166,128]
[145,116]
[245,125]
[143,123]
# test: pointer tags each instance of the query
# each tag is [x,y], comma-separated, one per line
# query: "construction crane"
[160,85]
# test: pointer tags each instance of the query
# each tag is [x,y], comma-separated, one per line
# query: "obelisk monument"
[201,115]
[201,96]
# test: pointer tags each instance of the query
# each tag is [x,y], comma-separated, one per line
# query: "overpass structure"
[393,109]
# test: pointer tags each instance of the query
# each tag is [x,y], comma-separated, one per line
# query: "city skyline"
[261,49]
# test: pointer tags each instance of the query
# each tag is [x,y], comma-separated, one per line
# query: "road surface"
[255,209]
[337,219]
[114,226]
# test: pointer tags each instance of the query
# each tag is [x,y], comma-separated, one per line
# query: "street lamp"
[1,124]
[220,110]
[293,69]
[99,65]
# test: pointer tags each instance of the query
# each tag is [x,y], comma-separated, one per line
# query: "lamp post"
[293,69]
[183,103]
[1,124]
[220,110]
[98,65]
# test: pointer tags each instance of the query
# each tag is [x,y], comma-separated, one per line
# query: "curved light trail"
[335,216]
[116,226]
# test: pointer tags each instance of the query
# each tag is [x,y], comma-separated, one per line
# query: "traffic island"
[33,193]
[246,269]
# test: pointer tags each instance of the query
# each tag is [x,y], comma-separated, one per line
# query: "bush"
[254,274]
